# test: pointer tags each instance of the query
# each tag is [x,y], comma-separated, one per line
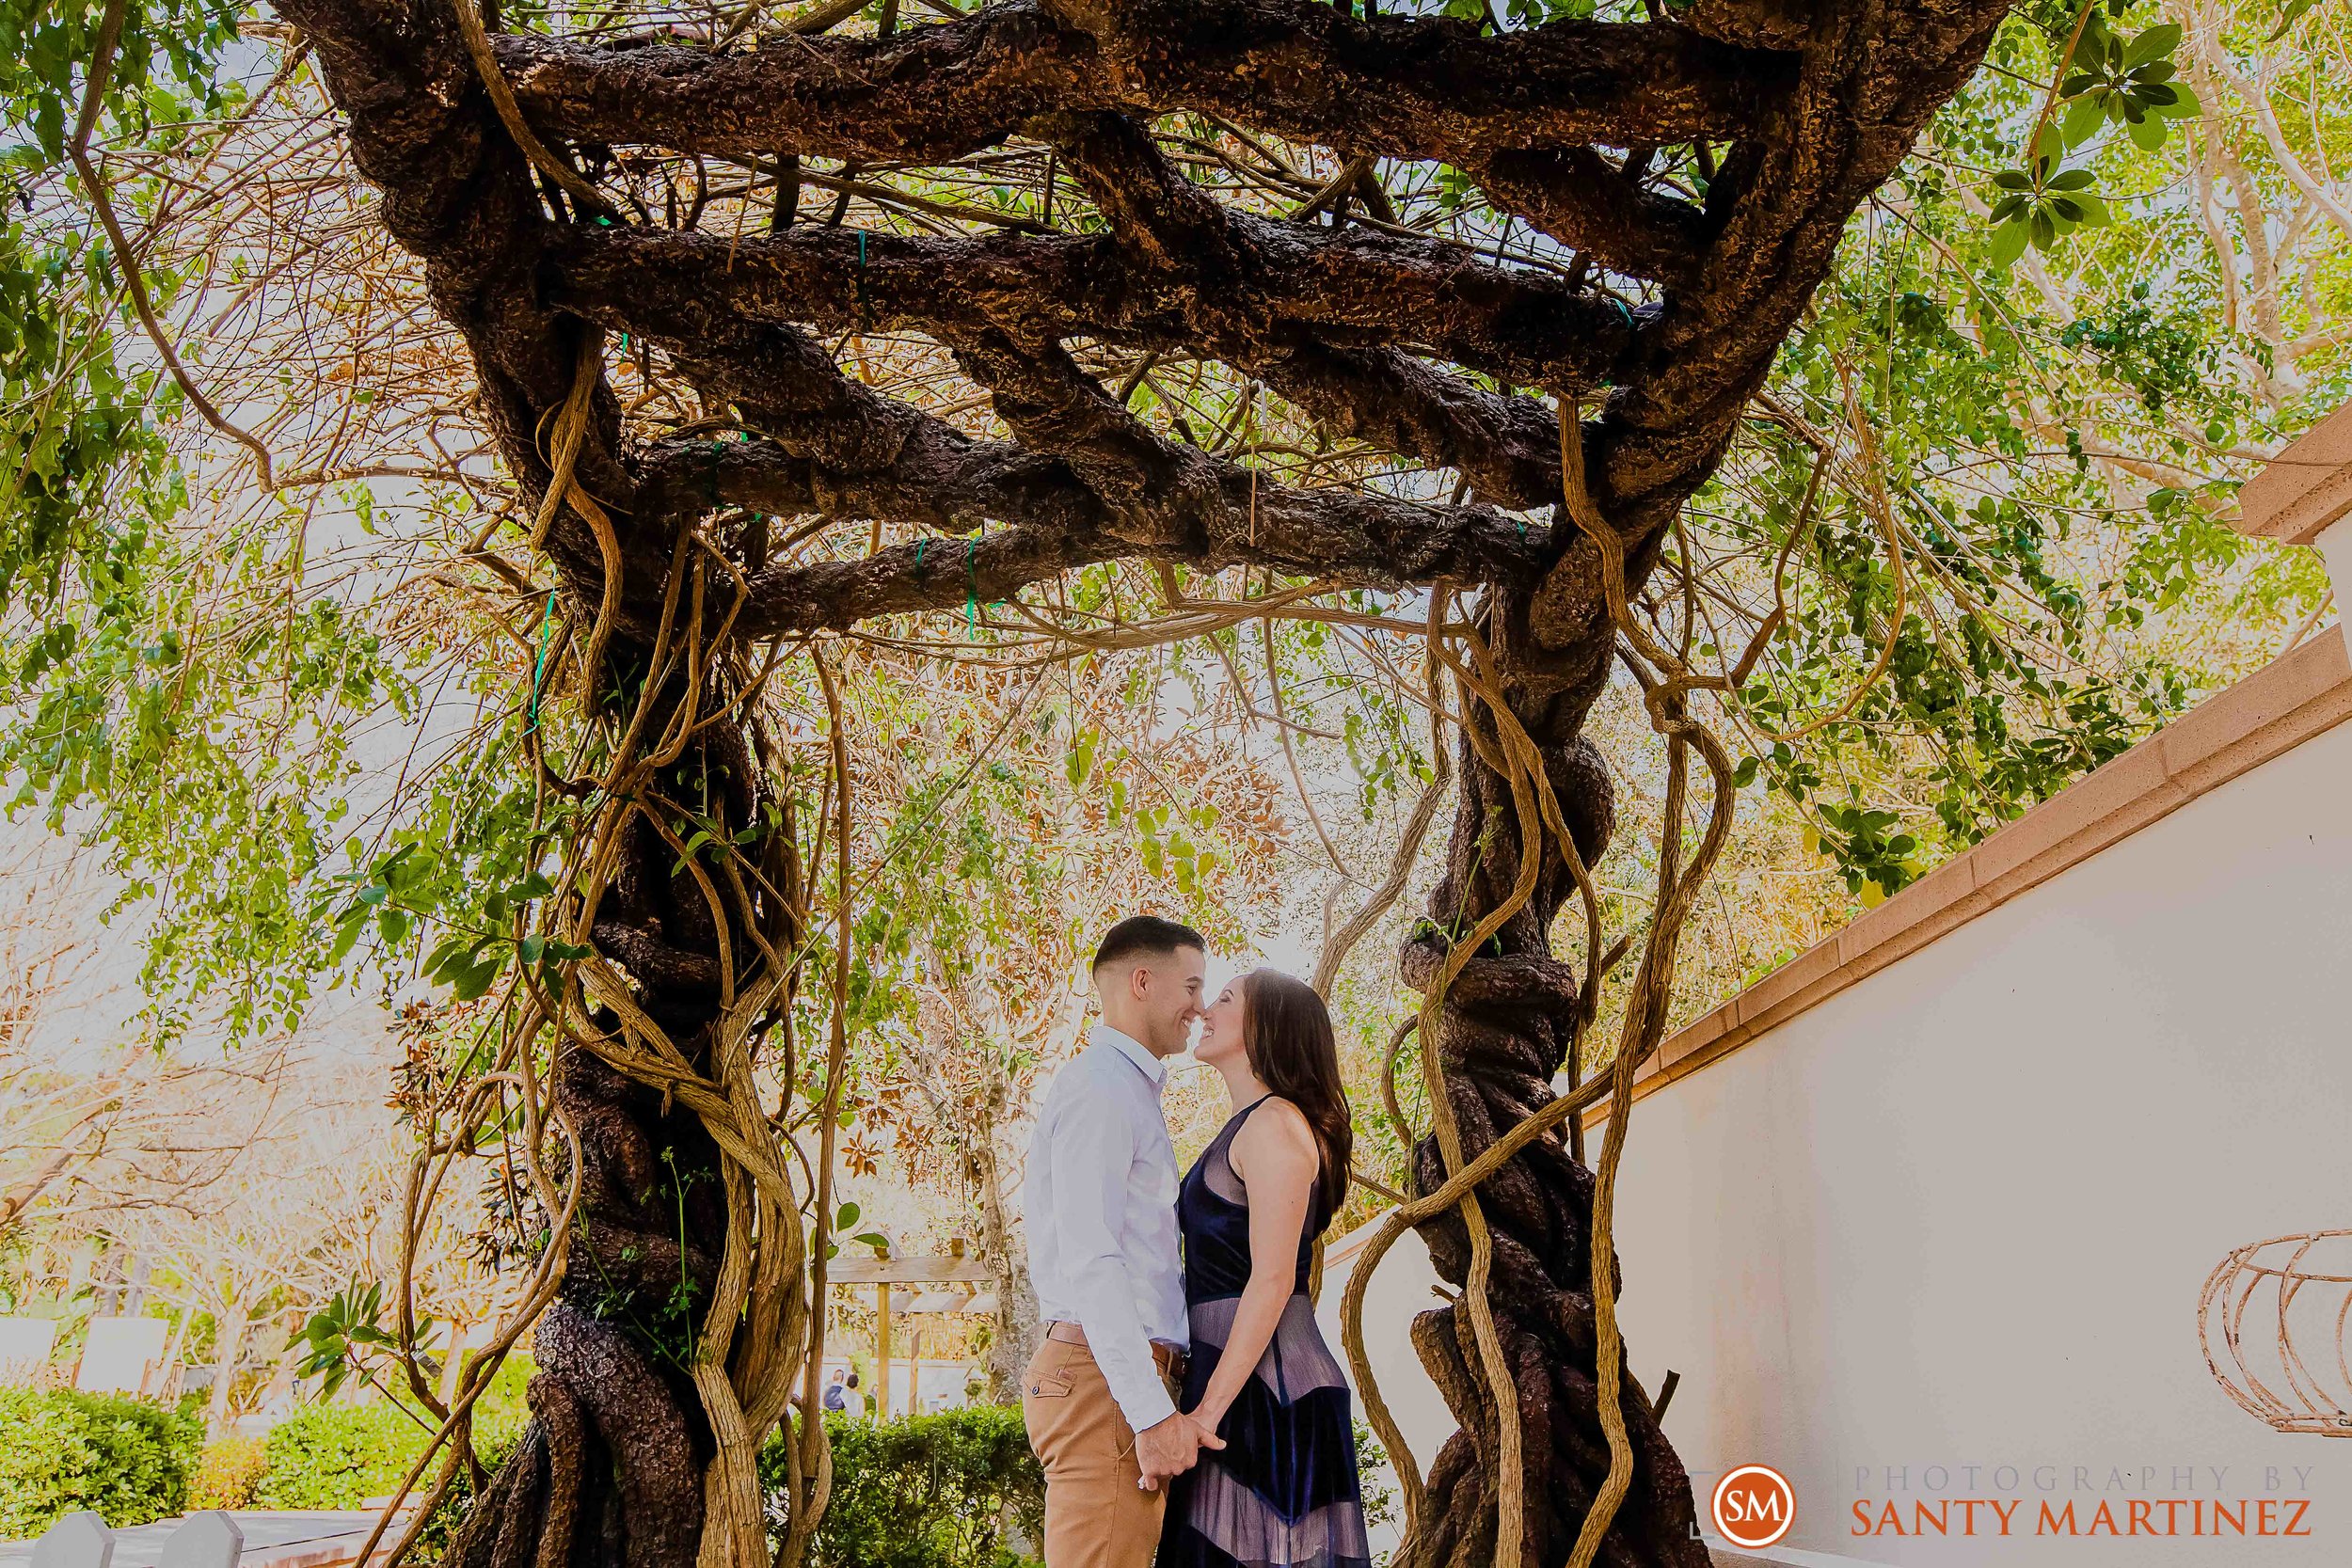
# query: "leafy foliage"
[337,1455]
[2102,78]
[227,1473]
[170,695]
[341,1335]
[925,1492]
[126,1460]
[2047,449]
[334,1456]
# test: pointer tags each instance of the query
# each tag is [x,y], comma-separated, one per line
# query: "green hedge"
[334,1456]
[925,1492]
[126,1460]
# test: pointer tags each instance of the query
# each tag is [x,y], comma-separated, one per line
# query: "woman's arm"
[1275,1157]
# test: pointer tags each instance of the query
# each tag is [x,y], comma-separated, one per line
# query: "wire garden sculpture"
[2273,1320]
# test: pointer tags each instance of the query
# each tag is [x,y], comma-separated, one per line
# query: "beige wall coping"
[2301,694]
[2303,489]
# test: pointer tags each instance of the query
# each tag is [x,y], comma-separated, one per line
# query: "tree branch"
[1395,86]
[1054,523]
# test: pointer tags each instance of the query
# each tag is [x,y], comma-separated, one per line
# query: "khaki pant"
[1097,1515]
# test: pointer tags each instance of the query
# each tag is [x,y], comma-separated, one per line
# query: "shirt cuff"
[1146,1406]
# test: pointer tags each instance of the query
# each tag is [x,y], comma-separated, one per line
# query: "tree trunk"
[1016,1325]
[228,1345]
[1502,1033]
[611,1471]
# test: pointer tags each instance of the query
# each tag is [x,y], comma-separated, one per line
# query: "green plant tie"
[539,666]
[861,312]
[972,588]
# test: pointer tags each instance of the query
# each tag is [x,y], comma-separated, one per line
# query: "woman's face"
[1221,1027]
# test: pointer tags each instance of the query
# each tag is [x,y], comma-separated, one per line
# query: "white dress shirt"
[1101,1212]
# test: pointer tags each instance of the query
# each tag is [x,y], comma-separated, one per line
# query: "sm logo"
[1753,1506]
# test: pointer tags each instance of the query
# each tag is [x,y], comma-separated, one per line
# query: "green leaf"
[2289,15]
[2009,243]
[2084,116]
[2158,40]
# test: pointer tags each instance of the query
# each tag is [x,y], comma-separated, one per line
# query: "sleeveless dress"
[1283,1492]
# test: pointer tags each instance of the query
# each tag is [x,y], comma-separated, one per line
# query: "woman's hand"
[1208,1415]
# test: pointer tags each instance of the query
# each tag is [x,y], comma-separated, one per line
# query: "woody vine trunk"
[613,1467]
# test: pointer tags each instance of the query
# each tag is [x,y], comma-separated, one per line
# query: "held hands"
[1168,1449]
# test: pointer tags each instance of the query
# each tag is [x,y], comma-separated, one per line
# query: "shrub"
[338,1455]
[227,1473]
[126,1460]
[925,1492]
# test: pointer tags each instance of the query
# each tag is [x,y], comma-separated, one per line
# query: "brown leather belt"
[1167,1357]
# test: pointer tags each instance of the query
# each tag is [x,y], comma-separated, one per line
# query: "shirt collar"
[1134,1050]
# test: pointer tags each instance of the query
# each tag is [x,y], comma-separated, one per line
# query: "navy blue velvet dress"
[1283,1492]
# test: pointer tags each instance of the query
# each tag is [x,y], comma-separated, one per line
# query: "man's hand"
[1168,1449]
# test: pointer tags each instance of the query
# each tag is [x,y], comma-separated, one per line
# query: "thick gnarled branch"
[1050,522]
[1301,284]
[1396,86]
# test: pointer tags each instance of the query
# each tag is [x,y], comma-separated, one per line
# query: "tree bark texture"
[612,1469]
[1805,106]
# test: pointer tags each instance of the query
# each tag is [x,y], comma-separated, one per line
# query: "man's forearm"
[1114,1331]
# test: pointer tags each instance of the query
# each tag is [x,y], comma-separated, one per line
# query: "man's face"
[1167,989]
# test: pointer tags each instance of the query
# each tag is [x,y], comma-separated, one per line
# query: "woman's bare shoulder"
[1275,1127]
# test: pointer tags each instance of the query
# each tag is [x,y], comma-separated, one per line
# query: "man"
[1101,1223]
[841,1395]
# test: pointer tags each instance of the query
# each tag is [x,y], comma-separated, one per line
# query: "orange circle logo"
[1753,1506]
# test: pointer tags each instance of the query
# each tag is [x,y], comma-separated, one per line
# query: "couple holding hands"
[1182,1402]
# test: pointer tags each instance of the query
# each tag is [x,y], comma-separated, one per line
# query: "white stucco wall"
[1961,1213]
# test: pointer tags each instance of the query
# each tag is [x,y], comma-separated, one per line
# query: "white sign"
[25,1349]
[121,1355]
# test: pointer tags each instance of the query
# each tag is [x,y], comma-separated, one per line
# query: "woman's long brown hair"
[1286,1031]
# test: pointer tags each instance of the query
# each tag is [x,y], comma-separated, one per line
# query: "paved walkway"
[271,1541]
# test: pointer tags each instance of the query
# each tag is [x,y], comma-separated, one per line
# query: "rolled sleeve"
[1094,1156]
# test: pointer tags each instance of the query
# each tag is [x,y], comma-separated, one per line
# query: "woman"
[1283,1492]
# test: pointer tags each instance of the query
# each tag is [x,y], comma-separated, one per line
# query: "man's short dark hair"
[1141,934]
